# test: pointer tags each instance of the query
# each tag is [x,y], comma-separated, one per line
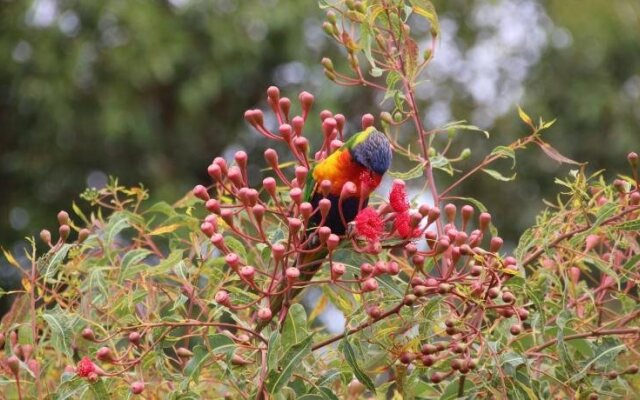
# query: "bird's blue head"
[372,150]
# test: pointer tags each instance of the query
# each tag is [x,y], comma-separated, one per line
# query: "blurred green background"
[151,91]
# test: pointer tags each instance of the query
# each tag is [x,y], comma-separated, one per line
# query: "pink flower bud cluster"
[274,216]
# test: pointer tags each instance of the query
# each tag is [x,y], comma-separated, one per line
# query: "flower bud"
[104,354]
[332,242]
[369,285]
[269,185]
[483,221]
[409,300]
[366,269]
[337,270]
[306,99]
[87,334]
[258,213]
[324,205]
[306,209]
[271,156]
[292,274]
[235,176]
[220,162]
[367,121]
[591,241]
[183,352]
[437,377]
[335,145]
[222,297]
[45,236]
[508,297]
[14,364]
[296,195]
[285,106]
[450,212]
[467,213]
[496,244]
[329,126]
[325,187]
[134,338]
[442,245]
[83,234]
[393,268]
[201,192]
[63,218]
[248,273]
[515,329]
[227,216]
[434,214]
[277,251]
[323,234]
[64,231]
[374,312]
[137,387]
[215,172]
[232,259]
[633,159]
[207,229]
[264,314]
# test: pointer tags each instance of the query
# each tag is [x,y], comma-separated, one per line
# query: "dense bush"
[201,298]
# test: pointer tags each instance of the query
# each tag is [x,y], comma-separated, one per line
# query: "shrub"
[202,298]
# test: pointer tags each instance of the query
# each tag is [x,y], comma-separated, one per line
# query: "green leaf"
[237,247]
[328,377]
[295,326]
[426,9]
[451,391]
[99,390]
[71,389]
[505,152]
[221,344]
[497,175]
[193,367]
[350,356]
[117,223]
[462,125]
[53,265]
[277,379]
[630,225]
[61,325]
[327,393]
[133,257]
[414,172]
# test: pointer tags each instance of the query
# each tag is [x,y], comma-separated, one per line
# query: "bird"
[362,160]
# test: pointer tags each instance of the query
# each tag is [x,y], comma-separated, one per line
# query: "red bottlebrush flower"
[369,224]
[402,223]
[85,367]
[398,197]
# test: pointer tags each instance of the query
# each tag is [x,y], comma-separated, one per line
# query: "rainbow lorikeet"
[362,160]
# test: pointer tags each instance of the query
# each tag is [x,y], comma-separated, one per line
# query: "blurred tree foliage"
[148,91]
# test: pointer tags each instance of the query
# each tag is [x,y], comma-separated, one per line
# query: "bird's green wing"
[309,185]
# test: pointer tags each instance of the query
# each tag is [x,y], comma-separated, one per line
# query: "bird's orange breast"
[340,168]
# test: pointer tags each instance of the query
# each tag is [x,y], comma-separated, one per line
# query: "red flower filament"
[369,224]
[398,197]
[85,367]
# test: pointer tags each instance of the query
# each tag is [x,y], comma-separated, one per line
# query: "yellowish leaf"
[165,229]
[10,258]
[26,284]
[319,308]
[525,118]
